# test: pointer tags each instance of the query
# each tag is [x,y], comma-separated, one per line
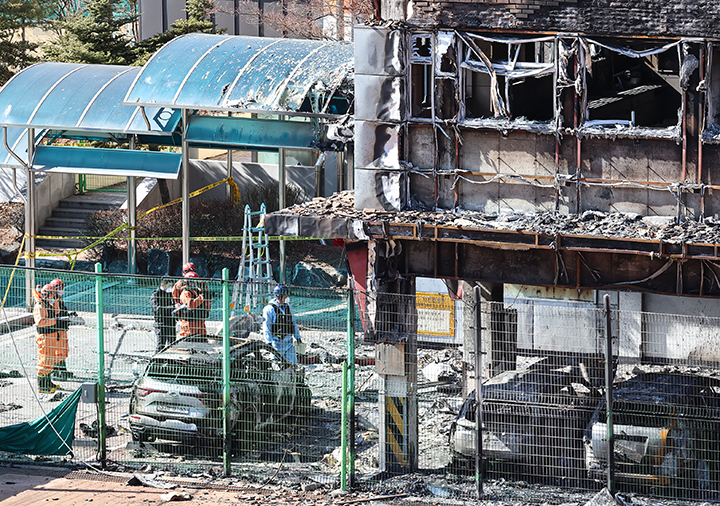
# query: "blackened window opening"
[641,92]
[527,98]
[421,76]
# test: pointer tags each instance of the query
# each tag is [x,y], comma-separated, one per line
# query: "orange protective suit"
[52,343]
[194,295]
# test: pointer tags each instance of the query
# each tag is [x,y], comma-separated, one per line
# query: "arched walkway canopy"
[247,74]
[56,100]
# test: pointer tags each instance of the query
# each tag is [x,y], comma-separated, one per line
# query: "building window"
[421,76]
[635,87]
[508,80]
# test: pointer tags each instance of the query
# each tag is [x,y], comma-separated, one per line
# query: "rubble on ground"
[589,223]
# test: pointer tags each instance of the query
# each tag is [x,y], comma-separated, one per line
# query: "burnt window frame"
[511,70]
[423,66]
[621,127]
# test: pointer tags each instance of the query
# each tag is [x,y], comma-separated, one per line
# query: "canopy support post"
[185,182]
[281,205]
[30,225]
[132,218]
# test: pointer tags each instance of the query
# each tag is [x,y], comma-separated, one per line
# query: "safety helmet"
[191,274]
[281,291]
[59,286]
[188,267]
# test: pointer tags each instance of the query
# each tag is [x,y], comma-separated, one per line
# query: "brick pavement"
[19,489]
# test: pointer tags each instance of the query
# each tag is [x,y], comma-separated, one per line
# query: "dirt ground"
[25,487]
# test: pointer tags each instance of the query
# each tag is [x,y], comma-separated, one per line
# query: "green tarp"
[38,437]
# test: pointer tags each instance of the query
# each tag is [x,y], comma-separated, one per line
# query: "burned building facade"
[570,146]
[512,108]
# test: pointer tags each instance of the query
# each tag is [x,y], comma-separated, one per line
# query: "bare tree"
[307,19]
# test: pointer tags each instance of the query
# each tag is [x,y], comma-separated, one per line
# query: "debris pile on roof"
[589,223]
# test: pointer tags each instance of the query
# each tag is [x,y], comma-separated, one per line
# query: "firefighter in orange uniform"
[52,343]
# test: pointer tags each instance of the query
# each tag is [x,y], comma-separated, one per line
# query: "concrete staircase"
[68,218]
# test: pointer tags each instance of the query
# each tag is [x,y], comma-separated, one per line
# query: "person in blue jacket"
[279,327]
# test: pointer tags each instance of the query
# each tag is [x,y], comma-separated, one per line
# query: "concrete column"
[499,333]
[630,326]
[380,111]
[395,328]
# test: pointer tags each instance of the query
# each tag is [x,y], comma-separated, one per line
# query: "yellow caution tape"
[73,254]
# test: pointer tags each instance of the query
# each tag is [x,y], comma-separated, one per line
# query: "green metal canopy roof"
[238,73]
[107,162]
[80,97]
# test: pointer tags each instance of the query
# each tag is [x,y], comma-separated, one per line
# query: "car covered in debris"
[533,418]
[666,431]
[179,395]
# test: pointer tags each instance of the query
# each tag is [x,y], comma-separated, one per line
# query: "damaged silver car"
[666,431]
[179,396]
[533,421]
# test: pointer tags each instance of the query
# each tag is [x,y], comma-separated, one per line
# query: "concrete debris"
[439,372]
[603,498]
[149,481]
[176,496]
[590,223]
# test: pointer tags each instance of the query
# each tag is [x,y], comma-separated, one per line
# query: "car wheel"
[142,438]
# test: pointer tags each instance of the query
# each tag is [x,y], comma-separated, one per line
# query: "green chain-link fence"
[225,399]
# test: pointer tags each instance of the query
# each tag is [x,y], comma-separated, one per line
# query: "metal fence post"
[227,442]
[344,431]
[478,394]
[609,396]
[351,385]
[102,446]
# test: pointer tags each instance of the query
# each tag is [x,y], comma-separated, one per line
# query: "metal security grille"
[91,182]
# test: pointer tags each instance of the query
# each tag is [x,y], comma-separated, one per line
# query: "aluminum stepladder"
[254,272]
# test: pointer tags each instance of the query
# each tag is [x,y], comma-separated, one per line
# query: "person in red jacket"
[192,303]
